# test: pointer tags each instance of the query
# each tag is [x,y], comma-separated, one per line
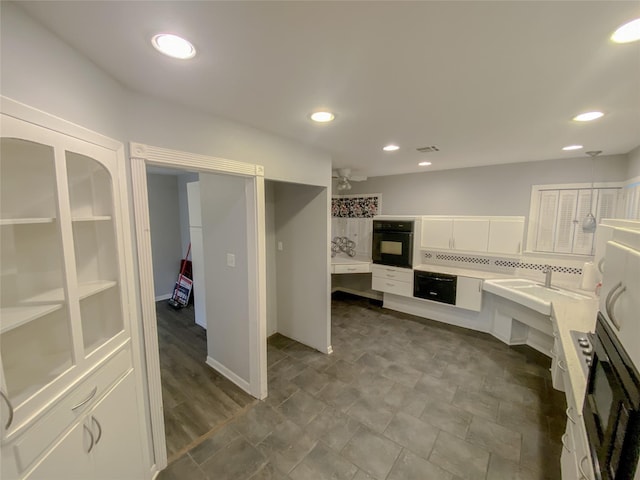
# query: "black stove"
[583,346]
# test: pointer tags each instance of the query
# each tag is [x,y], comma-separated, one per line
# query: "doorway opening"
[232,204]
[196,398]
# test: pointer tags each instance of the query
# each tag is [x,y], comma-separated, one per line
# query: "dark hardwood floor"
[197,400]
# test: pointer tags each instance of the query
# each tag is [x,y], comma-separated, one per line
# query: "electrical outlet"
[231,260]
[280,247]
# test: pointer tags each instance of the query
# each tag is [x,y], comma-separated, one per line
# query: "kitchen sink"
[530,293]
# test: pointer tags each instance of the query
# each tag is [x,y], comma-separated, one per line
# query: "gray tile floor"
[400,398]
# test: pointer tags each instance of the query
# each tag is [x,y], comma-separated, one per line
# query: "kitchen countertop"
[346,260]
[570,315]
[462,272]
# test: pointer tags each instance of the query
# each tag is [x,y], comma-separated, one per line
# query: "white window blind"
[547,220]
[564,221]
[557,220]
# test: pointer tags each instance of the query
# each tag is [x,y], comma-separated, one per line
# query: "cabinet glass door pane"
[35,329]
[91,200]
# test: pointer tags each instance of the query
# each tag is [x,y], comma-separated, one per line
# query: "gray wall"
[224,231]
[634,164]
[40,70]
[492,190]
[164,217]
[302,270]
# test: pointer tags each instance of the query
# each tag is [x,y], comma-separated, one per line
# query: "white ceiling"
[486,82]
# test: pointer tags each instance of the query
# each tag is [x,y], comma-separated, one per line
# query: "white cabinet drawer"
[392,286]
[351,268]
[38,438]
[392,273]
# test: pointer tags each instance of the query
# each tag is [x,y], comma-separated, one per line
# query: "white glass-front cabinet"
[64,330]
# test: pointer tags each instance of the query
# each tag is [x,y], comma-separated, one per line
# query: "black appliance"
[392,243]
[611,408]
[435,286]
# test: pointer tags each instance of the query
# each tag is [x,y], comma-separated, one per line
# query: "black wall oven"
[611,408]
[392,243]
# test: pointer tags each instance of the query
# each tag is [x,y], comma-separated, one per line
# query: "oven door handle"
[611,300]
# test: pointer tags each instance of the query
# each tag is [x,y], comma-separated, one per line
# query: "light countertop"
[347,260]
[574,315]
[462,272]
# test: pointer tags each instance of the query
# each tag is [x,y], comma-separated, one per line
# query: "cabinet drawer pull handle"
[390,276]
[389,284]
[569,416]
[564,369]
[86,400]
[10,419]
[91,437]
[583,475]
[564,443]
[95,420]
[552,352]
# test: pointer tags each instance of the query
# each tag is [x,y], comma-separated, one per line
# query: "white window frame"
[534,209]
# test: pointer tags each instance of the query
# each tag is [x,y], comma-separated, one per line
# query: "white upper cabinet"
[473,234]
[505,235]
[437,233]
[470,234]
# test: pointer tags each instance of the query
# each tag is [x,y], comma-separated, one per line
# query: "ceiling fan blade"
[357,178]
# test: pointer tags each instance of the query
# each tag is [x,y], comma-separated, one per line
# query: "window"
[557,212]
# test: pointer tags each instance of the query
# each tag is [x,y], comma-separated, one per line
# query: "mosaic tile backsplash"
[529,266]
[366,206]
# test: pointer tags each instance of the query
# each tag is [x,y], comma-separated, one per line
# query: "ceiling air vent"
[431,148]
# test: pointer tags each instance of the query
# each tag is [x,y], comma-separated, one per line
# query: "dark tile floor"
[195,397]
[400,398]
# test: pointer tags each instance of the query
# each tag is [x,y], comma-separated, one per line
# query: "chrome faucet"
[547,272]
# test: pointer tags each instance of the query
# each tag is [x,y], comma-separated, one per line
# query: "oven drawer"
[392,273]
[438,287]
[392,286]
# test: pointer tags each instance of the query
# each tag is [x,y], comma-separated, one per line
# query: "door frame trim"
[141,156]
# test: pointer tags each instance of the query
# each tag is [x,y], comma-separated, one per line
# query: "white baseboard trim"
[441,313]
[166,296]
[224,371]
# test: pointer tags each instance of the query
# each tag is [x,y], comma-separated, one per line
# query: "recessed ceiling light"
[322,117]
[627,33]
[424,164]
[173,46]
[588,116]
[391,148]
[572,147]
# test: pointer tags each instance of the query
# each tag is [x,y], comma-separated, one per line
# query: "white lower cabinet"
[105,443]
[67,459]
[469,293]
[398,281]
